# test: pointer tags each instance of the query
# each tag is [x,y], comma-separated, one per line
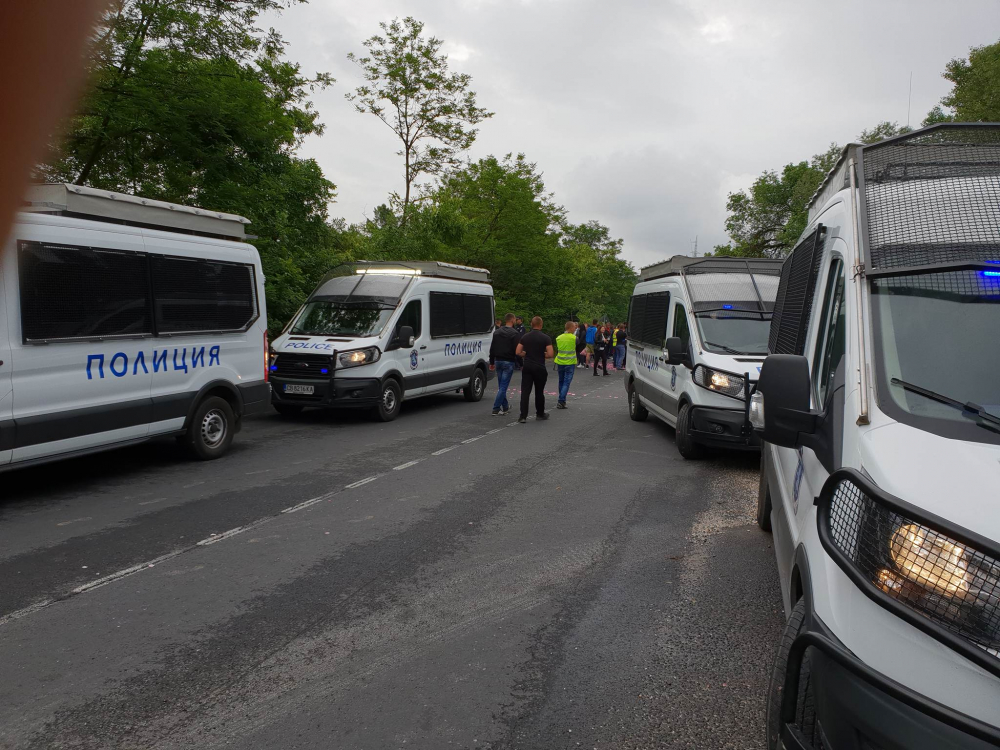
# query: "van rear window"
[70,292]
[197,295]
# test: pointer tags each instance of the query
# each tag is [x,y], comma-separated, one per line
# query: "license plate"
[305,390]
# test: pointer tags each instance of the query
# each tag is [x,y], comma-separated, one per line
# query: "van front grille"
[289,365]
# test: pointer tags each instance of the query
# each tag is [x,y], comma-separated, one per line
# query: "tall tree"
[975,93]
[192,103]
[410,89]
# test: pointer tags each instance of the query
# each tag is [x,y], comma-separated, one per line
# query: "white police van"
[697,333]
[123,318]
[375,334]
[880,412]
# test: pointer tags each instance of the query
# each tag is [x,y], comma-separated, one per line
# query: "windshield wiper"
[968,406]
[724,347]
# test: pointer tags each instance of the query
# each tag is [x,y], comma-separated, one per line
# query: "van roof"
[685,265]
[105,205]
[433,268]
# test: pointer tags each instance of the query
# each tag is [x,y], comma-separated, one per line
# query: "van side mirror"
[782,401]
[405,336]
[676,353]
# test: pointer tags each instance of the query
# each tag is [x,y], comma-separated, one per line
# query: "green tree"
[192,103]
[975,94]
[410,88]
[883,130]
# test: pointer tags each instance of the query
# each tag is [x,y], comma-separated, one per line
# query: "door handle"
[424,346]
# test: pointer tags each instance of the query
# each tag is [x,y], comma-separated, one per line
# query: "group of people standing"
[512,349]
[599,341]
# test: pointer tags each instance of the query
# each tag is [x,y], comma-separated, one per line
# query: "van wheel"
[477,386]
[389,402]
[288,410]
[686,445]
[210,432]
[636,411]
[805,704]
[763,494]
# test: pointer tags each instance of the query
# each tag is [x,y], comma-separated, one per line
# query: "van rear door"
[6,393]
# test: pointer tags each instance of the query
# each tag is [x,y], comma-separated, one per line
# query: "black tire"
[636,411]
[763,494]
[210,432]
[477,386]
[686,445]
[288,410]
[390,399]
[805,705]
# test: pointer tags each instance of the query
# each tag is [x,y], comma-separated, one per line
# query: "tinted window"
[478,313]
[654,330]
[79,292]
[197,295]
[636,317]
[681,329]
[460,314]
[830,341]
[411,316]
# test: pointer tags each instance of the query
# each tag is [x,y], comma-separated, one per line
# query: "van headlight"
[941,574]
[358,357]
[721,382]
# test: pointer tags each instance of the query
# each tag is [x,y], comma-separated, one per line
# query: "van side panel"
[183,364]
[72,395]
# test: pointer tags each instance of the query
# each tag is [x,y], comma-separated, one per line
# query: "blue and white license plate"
[303,390]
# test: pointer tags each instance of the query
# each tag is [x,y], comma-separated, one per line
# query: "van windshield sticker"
[118,363]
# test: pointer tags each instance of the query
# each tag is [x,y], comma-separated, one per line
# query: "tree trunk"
[406,197]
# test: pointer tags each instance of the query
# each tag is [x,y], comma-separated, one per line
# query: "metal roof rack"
[684,265]
[105,205]
[433,268]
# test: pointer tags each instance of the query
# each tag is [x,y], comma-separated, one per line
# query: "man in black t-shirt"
[534,347]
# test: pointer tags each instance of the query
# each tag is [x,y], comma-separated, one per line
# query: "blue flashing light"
[989,273]
[274,368]
[727,307]
[324,371]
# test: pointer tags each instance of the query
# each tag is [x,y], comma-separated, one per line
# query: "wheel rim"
[213,428]
[478,385]
[633,402]
[389,399]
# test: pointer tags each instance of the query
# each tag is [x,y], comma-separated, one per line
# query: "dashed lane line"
[132,570]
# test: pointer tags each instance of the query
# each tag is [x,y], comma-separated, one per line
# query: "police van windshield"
[936,333]
[328,318]
[734,332]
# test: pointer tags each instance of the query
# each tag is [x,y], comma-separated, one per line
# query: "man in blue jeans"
[566,361]
[502,355]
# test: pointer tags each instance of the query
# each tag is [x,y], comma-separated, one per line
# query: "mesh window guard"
[942,579]
[932,197]
[796,289]
[195,295]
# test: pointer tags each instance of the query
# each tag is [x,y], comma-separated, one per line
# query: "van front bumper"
[722,428]
[328,393]
[858,708]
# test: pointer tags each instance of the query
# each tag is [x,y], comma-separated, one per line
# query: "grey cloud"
[671,103]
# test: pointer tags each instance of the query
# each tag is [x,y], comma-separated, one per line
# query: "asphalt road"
[450,579]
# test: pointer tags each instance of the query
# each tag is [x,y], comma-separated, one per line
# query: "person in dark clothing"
[534,347]
[519,327]
[503,352]
[601,344]
[622,346]
[581,346]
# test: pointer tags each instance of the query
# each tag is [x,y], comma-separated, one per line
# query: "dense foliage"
[191,102]
[767,219]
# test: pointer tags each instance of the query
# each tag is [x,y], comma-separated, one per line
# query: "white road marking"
[193,484]
[232,532]
[360,482]
[472,440]
[444,450]
[26,611]
[126,572]
[498,429]
[407,465]
[307,503]
[75,520]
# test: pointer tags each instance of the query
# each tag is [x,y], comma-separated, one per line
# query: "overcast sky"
[644,115]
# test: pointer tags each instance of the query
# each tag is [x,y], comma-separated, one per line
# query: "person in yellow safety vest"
[614,349]
[565,361]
